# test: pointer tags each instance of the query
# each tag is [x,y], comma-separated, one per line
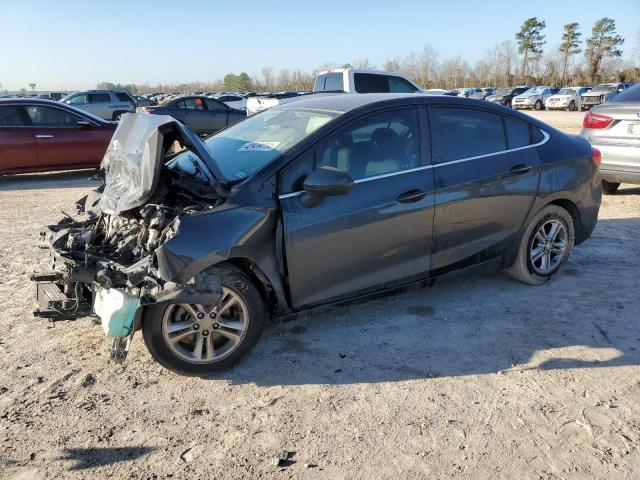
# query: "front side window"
[251,144]
[10,116]
[78,100]
[400,85]
[51,117]
[380,144]
[191,104]
[459,133]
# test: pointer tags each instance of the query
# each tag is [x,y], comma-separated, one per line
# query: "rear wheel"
[199,340]
[545,246]
[609,187]
[117,116]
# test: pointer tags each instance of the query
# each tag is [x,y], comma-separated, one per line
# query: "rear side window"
[330,82]
[629,95]
[370,83]
[123,97]
[459,133]
[99,98]
[517,132]
[215,105]
[10,117]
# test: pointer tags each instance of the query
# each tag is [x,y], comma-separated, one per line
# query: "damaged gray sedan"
[324,200]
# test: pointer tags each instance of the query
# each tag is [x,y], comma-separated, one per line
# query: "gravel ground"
[475,378]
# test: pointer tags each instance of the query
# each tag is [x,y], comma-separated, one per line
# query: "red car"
[41,135]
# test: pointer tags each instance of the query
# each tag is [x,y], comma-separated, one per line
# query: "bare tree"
[267,74]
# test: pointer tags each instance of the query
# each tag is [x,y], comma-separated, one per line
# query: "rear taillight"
[594,120]
[596,155]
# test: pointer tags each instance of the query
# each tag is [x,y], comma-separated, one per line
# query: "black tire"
[116,115]
[538,105]
[522,268]
[609,188]
[234,280]
[572,106]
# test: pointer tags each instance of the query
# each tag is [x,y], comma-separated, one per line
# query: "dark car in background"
[201,114]
[613,128]
[323,200]
[504,96]
[40,135]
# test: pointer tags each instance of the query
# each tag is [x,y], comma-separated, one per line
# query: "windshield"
[605,88]
[504,91]
[247,146]
[567,91]
[534,91]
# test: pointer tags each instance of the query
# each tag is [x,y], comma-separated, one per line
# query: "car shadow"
[92,457]
[477,325]
[625,190]
[39,181]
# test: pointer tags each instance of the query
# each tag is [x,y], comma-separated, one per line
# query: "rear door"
[17,141]
[486,174]
[100,105]
[218,114]
[379,234]
[61,141]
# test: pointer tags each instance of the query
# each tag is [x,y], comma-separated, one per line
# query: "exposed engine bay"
[154,173]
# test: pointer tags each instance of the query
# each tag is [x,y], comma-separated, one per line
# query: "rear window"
[329,82]
[123,97]
[10,117]
[629,95]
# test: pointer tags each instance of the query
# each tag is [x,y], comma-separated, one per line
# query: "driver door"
[376,236]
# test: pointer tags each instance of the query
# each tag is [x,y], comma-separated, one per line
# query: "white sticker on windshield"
[258,146]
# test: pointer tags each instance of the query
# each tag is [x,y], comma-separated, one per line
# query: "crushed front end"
[102,264]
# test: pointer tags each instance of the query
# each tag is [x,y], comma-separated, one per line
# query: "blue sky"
[76,44]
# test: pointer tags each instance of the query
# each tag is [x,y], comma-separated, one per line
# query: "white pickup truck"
[341,80]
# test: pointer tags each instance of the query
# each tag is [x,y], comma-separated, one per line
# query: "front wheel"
[571,107]
[545,246]
[609,187]
[538,105]
[199,340]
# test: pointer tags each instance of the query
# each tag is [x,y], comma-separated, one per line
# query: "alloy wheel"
[205,334]
[548,247]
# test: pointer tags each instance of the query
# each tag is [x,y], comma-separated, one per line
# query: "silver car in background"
[107,104]
[614,129]
[568,98]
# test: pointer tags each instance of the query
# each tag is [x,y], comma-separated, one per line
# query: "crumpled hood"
[133,159]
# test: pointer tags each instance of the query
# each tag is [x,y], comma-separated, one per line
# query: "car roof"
[31,100]
[344,102]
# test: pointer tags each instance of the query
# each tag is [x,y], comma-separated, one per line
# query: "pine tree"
[603,43]
[569,46]
[530,40]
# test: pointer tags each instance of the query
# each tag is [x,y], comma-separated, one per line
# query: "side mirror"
[325,182]
[620,89]
[84,123]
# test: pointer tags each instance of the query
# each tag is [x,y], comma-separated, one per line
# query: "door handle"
[413,195]
[42,135]
[520,169]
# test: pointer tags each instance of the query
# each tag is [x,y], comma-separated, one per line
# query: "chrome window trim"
[545,139]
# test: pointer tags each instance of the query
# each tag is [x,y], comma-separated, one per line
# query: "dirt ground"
[479,378]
